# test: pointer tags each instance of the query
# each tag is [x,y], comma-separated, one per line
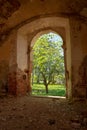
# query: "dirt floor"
[36,113]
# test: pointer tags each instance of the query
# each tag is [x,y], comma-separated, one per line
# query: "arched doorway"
[28,35]
[48,65]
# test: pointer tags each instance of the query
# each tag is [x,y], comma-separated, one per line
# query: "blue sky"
[57,37]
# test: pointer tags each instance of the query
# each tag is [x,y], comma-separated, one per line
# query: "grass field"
[53,90]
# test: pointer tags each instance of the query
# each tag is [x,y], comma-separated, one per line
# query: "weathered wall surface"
[17,78]
[22,47]
[4,61]
[12,76]
[79,52]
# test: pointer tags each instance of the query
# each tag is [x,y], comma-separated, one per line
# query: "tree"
[48,59]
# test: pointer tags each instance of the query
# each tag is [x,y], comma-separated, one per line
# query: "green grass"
[53,90]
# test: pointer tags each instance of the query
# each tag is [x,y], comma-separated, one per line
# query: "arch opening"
[48,65]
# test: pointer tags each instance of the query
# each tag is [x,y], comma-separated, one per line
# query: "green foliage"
[48,59]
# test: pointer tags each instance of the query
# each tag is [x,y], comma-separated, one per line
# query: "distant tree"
[48,59]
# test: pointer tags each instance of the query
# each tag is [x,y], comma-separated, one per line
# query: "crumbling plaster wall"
[5,53]
[78,31]
[12,76]
[22,47]
[17,78]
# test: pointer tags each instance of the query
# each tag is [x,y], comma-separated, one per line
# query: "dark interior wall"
[79,52]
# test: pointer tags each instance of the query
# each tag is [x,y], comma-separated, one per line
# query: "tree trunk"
[38,78]
[46,88]
[45,83]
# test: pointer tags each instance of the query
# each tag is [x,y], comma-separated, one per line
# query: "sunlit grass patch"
[53,90]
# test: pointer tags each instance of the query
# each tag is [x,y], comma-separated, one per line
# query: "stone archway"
[25,35]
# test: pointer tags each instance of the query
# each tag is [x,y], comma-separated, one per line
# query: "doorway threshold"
[53,97]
